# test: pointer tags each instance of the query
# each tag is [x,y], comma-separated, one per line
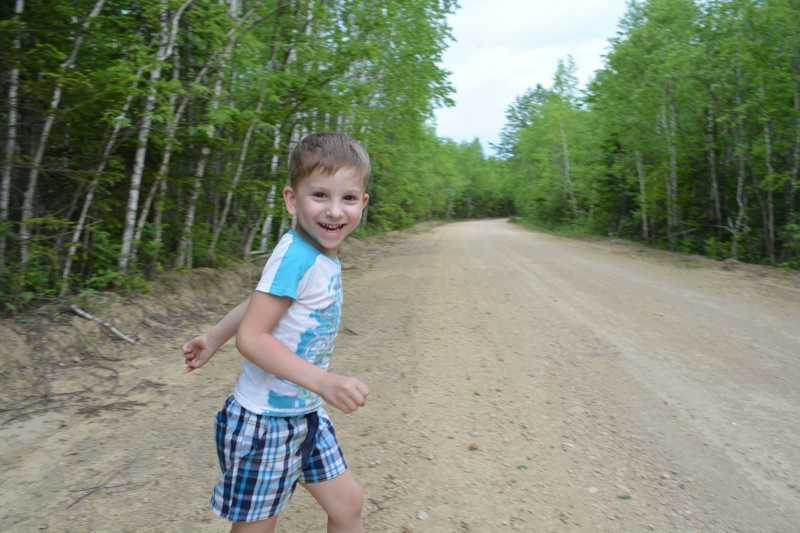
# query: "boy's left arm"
[201,349]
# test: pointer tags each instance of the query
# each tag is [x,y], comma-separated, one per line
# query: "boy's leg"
[342,500]
[261,526]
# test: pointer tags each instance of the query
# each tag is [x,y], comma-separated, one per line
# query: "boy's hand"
[345,393]
[197,352]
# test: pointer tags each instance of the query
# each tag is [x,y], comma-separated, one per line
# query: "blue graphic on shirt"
[316,344]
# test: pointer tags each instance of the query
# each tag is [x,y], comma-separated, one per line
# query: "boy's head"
[326,153]
[327,192]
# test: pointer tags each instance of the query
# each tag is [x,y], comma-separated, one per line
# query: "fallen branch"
[80,312]
[107,481]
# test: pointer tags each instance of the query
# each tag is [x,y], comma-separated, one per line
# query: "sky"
[505,46]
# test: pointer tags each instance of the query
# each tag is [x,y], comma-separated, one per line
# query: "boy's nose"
[334,210]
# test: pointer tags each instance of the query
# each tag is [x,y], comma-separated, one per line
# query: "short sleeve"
[286,268]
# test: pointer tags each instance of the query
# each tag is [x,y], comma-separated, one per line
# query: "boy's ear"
[364,202]
[290,199]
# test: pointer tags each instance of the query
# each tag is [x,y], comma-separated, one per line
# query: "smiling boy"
[273,431]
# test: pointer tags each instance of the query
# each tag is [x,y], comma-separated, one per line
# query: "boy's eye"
[318,195]
[349,198]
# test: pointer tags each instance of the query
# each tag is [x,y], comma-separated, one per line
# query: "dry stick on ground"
[80,312]
[107,481]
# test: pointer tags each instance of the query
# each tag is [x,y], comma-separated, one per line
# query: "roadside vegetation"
[687,139]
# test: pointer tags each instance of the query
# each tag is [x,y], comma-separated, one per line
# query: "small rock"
[729,442]
[594,354]
[665,476]
[422,515]
[474,447]
[531,510]
[593,490]
[150,323]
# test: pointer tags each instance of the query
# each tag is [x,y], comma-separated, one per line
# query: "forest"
[688,138]
[143,136]
[140,136]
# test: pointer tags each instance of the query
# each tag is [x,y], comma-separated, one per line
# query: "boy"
[273,431]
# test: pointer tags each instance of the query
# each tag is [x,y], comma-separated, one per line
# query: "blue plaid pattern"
[263,457]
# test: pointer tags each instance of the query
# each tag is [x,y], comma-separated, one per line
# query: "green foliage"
[243,92]
[688,138]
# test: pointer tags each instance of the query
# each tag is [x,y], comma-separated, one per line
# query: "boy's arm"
[256,343]
[200,350]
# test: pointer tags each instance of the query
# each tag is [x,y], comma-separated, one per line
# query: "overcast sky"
[505,46]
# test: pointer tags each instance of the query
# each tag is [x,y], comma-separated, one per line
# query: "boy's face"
[328,207]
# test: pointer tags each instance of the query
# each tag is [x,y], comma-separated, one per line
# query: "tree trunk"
[163,169]
[267,227]
[643,194]
[712,167]
[76,235]
[183,258]
[165,49]
[11,142]
[30,192]
[239,168]
[669,125]
[791,183]
[566,170]
[769,230]
[735,228]
[268,213]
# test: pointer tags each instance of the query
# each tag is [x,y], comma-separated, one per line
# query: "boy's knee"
[355,500]
[352,502]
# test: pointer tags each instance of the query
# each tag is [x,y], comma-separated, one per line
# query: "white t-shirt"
[308,328]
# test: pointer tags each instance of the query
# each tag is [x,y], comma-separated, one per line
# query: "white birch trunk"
[163,169]
[268,214]
[567,178]
[183,258]
[11,141]
[642,194]
[30,192]
[770,229]
[138,170]
[141,148]
[671,179]
[185,246]
[712,163]
[237,175]
[735,228]
[76,235]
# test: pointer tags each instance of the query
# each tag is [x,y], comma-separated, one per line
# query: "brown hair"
[327,152]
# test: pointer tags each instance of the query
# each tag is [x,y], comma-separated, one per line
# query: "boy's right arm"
[256,343]
[200,350]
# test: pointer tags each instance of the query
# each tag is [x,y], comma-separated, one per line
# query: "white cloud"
[505,46]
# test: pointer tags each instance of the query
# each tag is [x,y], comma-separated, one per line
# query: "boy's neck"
[313,242]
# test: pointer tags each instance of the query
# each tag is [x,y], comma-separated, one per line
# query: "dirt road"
[518,381]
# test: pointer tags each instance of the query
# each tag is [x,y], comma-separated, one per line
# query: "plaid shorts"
[263,457]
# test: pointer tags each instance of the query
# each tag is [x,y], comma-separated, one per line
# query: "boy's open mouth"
[331,228]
